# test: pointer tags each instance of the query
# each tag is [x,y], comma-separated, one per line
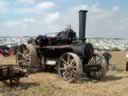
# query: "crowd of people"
[6,51]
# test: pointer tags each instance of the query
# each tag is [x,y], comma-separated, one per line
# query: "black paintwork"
[55,52]
[62,43]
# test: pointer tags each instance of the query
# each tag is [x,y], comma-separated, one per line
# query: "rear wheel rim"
[23,56]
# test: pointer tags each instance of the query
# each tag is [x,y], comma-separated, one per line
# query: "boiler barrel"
[82,24]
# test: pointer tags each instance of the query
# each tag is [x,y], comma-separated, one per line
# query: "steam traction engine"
[70,56]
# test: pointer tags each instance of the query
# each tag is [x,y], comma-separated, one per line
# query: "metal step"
[51,62]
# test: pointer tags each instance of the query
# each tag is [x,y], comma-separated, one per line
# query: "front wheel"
[100,73]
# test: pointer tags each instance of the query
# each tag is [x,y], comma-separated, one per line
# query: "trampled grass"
[49,84]
[119,58]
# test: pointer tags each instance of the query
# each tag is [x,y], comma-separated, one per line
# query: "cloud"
[30,20]
[37,8]
[45,5]
[101,22]
[23,22]
[115,8]
[52,17]
[26,1]
[83,7]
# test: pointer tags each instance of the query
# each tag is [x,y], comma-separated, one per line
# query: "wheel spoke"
[65,62]
[28,58]
[63,65]
[94,60]
[66,73]
[26,51]
[19,53]
[27,62]
[69,76]
[68,58]
[72,62]
[74,72]
[73,67]
[19,61]
[28,55]
[91,62]
[99,61]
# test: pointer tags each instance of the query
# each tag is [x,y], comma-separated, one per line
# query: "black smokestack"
[82,25]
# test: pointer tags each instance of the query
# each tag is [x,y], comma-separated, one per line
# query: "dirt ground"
[49,84]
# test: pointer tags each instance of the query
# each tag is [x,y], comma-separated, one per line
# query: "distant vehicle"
[14,48]
[4,50]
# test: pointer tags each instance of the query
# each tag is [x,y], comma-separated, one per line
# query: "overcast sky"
[106,18]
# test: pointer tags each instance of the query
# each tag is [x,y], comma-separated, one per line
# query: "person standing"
[107,56]
[127,62]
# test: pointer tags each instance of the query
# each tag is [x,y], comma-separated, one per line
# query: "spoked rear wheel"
[27,57]
[69,67]
[23,56]
[97,60]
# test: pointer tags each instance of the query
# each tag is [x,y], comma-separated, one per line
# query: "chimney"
[82,25]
